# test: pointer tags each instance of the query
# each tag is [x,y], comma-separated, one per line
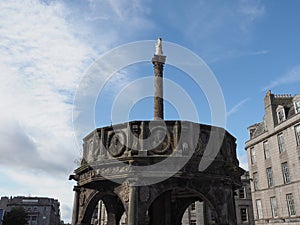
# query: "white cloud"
[292,76]
[243,159]
[115,18]
[251,9]
[237,107]
[261,52]
[41,63]
[43,57]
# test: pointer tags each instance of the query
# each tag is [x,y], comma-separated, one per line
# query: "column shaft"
[158,91]
[133,206]
[75,206]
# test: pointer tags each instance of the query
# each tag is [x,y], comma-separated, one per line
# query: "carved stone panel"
[82,198]
[159,140]
[125,191]
[117,144]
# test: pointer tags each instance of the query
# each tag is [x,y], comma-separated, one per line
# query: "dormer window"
[296,101]
[280,114]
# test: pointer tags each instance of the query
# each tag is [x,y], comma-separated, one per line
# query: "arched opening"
[103,209]
[179,206]
[100,215]
[198,213]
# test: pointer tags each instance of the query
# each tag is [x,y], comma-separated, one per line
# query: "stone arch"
[170,186]
[112,202]
[177,207]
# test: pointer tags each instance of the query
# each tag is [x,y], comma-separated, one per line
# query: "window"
[244,215]
[286,173]
[242,193]
[297,131]
[255,181]
[193,222]
[270,177]
[281,144]
[33,220]
[280,115]
[193,206]
[291,205]
[252,154]
[274,207]
[259,209]
[297,106]
[266,149]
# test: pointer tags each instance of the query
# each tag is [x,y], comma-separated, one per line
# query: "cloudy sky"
[47,46]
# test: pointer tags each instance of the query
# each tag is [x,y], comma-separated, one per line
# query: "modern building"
[40,210]
[274,154]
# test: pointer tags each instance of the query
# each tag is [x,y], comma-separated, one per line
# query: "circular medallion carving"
[159,140]
[117,144]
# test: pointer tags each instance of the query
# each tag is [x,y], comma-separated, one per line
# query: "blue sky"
[47,46]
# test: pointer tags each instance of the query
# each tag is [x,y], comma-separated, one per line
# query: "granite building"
[243,202]
[40,210]
[273,155]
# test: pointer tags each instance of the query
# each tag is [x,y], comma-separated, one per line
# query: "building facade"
[195,214]
[41,211]
[243,202]
[273,155]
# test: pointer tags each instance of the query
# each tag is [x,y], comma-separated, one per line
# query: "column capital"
[159,59]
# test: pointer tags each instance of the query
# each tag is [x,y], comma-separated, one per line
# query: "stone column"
[75,205]
[158,61]
[133,204]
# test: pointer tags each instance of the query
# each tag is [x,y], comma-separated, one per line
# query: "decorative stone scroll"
[125,191]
